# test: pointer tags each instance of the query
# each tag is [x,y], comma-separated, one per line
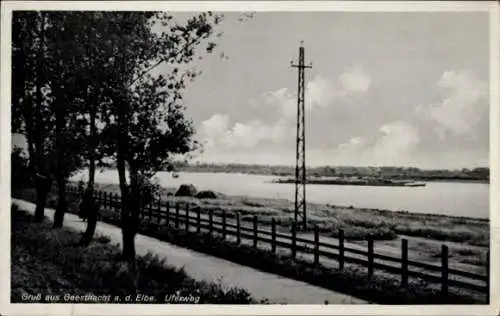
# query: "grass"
[358,223]
[49,261]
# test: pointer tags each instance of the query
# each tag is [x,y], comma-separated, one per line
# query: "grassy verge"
[357,223]
[49,262]
[352,281]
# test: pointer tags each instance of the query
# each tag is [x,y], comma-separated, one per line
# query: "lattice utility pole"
[300,167]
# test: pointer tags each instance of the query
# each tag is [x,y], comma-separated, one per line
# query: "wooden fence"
[162,212]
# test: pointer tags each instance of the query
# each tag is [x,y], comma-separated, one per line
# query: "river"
[448,198]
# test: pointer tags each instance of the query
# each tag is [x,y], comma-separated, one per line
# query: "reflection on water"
[459,199]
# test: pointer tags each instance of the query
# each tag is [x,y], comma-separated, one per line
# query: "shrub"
[207,194]
[102,239]
[20,173]
[186,190]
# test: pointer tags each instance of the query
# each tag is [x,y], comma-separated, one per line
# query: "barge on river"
[356,181]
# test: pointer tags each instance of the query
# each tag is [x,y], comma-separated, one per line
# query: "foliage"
[83,92]
[145,120]
[20,173]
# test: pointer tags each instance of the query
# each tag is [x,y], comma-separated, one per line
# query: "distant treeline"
[476,174]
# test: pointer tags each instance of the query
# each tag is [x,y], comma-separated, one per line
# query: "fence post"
[444,270]
[150,211]
[224,224]
[168,213]
[294,239]
[108,200]
[198,220]
[273,235]
[156,213]
[238,229]
[255,231]
[158,209]
[105,198]
[316,245]
[488,277]
[404,262]
[370,257]
[341,249]
[177,215]
[210,222]
[187,217]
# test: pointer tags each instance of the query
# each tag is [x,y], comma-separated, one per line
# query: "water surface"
[449,198]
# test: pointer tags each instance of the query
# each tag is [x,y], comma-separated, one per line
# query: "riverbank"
[467,238]
[358,223]
[48,266]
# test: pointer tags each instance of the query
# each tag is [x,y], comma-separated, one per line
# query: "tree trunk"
[92,209]
[62,205]
[42,190]
[89,207]
[61,165]
[128,252]
[128,233]
[134,202]
[41,175]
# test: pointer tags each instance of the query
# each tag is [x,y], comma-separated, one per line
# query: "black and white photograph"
[191,154]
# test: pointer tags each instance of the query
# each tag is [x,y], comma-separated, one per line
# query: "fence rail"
[163,212]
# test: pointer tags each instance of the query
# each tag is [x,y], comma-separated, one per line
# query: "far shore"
[279,175]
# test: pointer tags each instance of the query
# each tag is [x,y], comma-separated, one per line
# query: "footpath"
[261,285]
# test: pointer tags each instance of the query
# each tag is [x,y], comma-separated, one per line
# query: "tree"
[95,74]
[146,113]
[29,102]
[47,64]
[65,59]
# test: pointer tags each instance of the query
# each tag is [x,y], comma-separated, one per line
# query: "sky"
[385,89]
[401,89]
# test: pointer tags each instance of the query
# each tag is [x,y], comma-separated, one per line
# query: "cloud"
[214,129]
[353,143]
[460,112]
[320,91]
[282,99]
[218,134]
[355,80]
[250,134]
[397,142]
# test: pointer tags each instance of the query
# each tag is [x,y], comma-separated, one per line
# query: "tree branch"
[186,46]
